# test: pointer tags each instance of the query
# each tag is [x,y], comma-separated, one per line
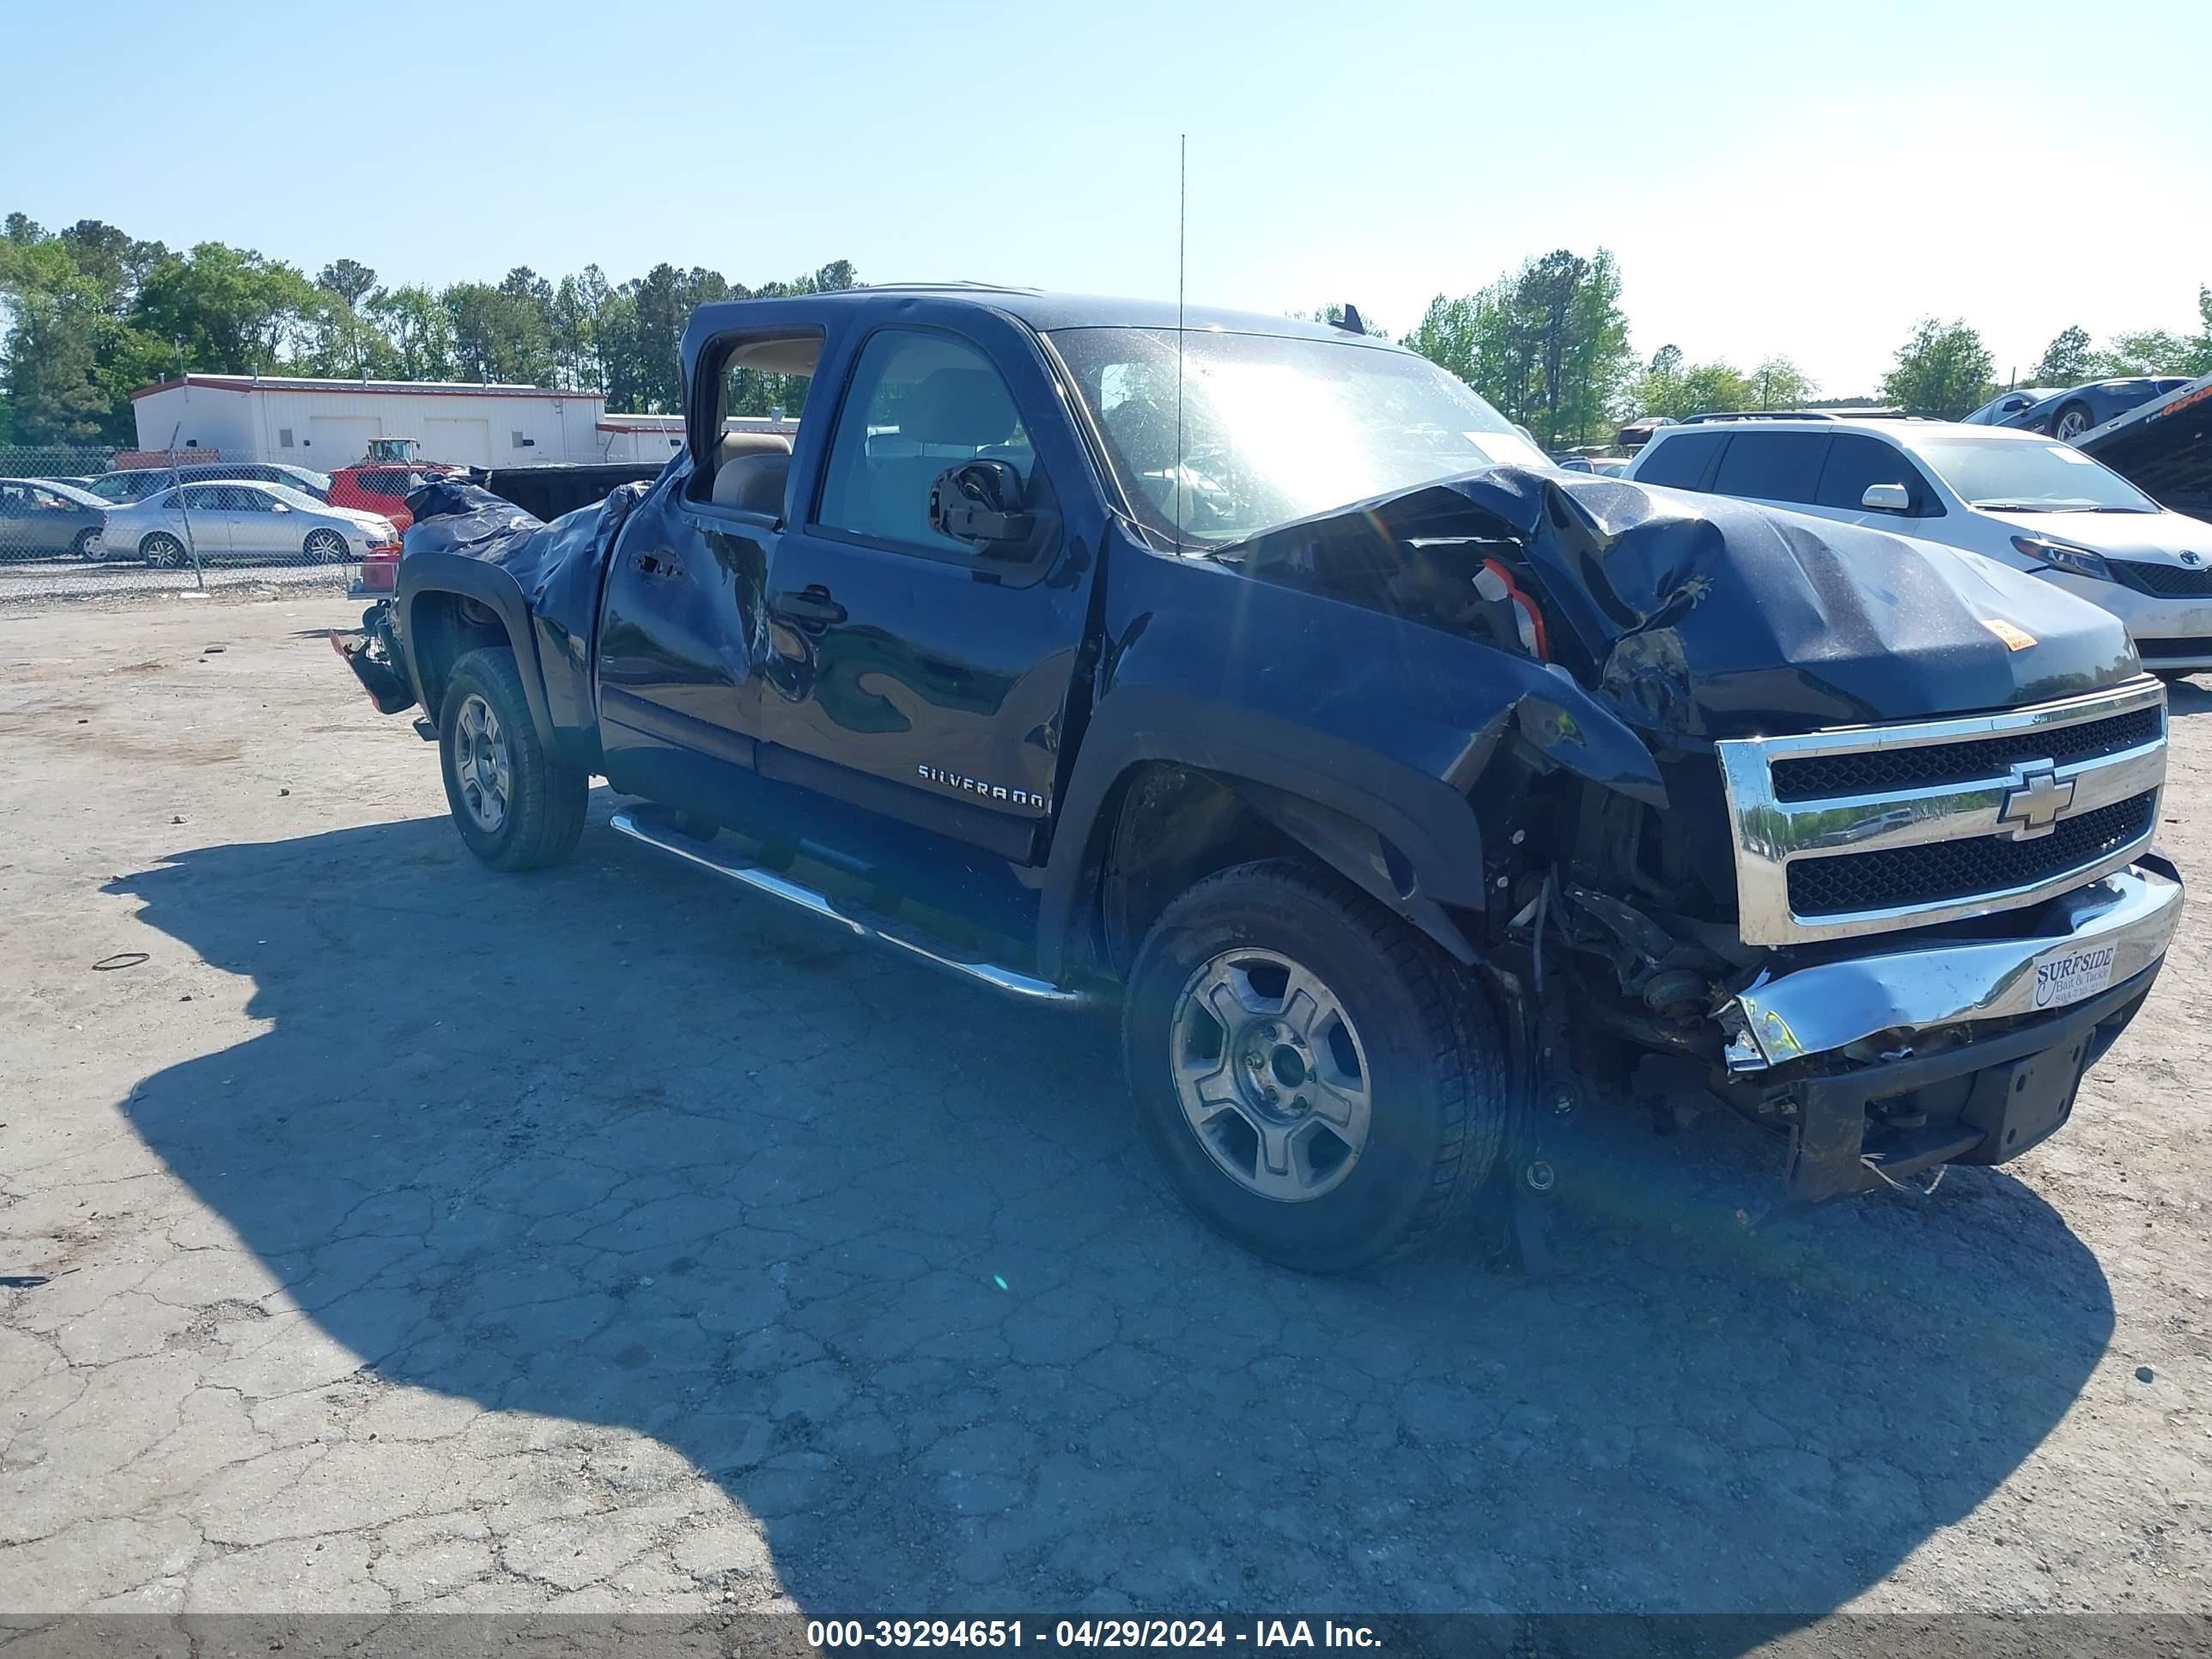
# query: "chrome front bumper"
[1820,1009]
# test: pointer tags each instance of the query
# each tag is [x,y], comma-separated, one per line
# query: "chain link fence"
[79,524]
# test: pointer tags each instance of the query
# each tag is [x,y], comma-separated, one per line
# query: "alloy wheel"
[482,763]
[1272,1075]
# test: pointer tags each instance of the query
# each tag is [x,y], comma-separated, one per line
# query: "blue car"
[2071,413]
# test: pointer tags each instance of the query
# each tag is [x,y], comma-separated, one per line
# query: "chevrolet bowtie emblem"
[2035,802]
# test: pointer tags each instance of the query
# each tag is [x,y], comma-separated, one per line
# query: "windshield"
[72,493]
[127,486]
[2029,477]
[1273,428]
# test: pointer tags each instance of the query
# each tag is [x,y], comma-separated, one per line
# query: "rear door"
[682,632]
[1778,469]
[1679,461]
[907,674]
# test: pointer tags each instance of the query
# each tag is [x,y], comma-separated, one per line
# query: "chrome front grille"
[1877,771]
[1873,829]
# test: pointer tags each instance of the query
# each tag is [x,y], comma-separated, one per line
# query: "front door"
[907,673]
[207,524]
[1853,463]
[257,529]
[27,527]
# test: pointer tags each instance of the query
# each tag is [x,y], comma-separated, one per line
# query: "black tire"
[542,805]
[2071,421]
[325,547]
[164,552]
[1434,1063]
[80,544]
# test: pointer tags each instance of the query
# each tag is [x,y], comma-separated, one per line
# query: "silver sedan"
[236,521]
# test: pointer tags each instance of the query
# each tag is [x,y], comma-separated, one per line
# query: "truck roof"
[1040,309]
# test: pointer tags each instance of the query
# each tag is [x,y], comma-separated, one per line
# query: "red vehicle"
[382,487]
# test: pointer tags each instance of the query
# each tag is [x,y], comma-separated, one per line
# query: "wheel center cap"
[1272,1068]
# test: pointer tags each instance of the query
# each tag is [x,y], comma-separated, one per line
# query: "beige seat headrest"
[752,443]
[753,483]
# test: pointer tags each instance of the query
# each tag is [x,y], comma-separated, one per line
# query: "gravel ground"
[119,582]
[394,1235]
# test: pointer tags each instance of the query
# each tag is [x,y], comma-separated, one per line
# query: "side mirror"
[1887,498]
[983,503]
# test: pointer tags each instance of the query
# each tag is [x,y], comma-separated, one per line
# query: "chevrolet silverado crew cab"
[1404,789]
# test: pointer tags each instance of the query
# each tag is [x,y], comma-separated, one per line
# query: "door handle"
[811,604]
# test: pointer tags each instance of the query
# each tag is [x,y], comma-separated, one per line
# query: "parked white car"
[235,521]
[2023,499]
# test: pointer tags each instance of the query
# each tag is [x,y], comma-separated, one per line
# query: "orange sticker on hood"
[2015,639]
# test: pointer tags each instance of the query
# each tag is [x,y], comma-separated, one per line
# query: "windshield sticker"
[2068,452]
[2015,639]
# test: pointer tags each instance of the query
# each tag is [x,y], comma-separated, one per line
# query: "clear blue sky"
[1792,177]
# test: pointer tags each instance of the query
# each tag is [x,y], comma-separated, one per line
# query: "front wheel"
[325,547]
[1322,1083]
[517,805]
[164,552]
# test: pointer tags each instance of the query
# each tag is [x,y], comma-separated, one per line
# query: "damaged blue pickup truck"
[1403,789]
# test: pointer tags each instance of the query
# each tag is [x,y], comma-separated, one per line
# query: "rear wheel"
[2071,422]
[164,552]
[517,805]
[1323,1085]
[86,544]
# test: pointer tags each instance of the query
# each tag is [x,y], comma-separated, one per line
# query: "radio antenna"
[1182,234]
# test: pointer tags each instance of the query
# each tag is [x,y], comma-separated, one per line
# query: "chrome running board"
[691,850]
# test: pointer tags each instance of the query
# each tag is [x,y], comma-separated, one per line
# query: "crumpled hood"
[1711,618]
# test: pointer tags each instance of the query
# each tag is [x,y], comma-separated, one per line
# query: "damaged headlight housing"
[2064,555]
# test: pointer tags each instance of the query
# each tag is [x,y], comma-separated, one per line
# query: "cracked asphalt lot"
[400,1236]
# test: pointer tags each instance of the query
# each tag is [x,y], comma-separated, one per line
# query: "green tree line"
[1548,345]
[92,314]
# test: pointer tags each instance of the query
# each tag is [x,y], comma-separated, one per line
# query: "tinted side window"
[920,403]
[1680,461]
[1771,466]
[1855,462]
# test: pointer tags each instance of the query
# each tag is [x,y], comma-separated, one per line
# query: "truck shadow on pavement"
[884,1260]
